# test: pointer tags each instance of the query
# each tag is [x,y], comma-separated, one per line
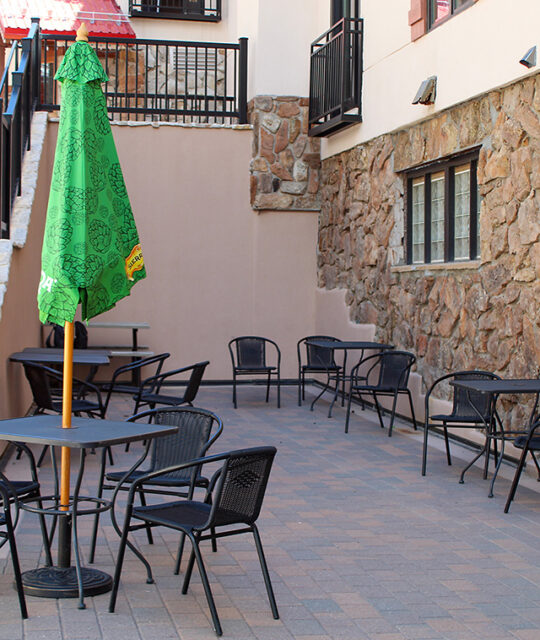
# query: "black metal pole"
[242,81]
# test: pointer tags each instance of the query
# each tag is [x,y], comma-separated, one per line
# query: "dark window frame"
[340,9]
[431,24]
[448,166]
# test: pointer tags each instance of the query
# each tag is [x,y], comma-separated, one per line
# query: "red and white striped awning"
[103,18]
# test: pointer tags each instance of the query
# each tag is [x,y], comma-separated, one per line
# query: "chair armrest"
[157,380]
[354,371]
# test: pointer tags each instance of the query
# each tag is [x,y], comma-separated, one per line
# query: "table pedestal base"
[55,582]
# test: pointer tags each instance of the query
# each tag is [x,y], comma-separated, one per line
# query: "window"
[439,10]
[442,211]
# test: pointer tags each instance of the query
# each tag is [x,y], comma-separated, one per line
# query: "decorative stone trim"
[285,168]
[472,265]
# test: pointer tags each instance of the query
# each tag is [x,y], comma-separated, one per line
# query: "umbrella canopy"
[91,251]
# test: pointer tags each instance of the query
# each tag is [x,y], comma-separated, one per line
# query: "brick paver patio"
[359,545]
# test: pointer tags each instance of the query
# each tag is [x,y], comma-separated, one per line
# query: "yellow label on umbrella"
[134,262]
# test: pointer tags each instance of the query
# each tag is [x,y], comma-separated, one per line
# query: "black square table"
[64,581]
[343,345]
[495,388]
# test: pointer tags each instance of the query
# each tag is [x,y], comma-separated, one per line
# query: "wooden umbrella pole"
[64,528]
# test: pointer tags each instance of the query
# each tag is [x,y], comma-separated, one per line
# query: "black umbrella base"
[55,582]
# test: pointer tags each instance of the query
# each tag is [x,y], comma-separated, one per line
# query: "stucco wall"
[216,269]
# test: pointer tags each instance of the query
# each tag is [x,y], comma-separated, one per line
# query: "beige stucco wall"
[19,324]
[216,269]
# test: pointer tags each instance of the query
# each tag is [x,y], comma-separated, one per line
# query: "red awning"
[103,18]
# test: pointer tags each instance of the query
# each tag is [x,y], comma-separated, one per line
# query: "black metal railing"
[209,10]
[190,82]
[336,78]
[18,101]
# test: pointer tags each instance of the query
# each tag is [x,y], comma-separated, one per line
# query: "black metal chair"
[46,386]
[44,382]
[234,497]
[248,356]
[318,360]
[198,429]
[386,374]
[119,384]
[8,534]
[470,410]
[529,443]
[150,392]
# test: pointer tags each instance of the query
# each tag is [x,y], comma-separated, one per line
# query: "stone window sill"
[438,266]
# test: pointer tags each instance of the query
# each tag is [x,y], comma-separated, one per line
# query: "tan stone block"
[299,145]
[535,258]
[252,188]
[499,241]
[512,134]
[286,159]
[259,164]
[282,137]
[528,220]
[525,275]
[528,120]
[288,110]
[280,171]
[313,181]
[497,166]
[264,103]
[295,128]
[267,146]
[276,201]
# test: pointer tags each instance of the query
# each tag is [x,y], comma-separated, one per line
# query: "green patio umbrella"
[91,251]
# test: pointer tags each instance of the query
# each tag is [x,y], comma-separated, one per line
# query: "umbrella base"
[56,582]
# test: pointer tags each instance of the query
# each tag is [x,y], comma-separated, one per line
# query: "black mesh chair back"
[320,356]
[251,353]
[239,496]
[39,385]
[473,404]
[195,381]
[469,408]
[191,441]
[395,367]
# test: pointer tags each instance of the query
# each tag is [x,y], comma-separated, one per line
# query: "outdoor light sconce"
[529,59]
[427,92]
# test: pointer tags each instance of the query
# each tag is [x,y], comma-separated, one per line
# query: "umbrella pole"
[64,524]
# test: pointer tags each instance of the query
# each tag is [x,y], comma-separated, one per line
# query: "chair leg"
[413,417]
[447,443]
[278,391]
[179,553]
[206,585]
[15,562]
[300,389]
[424,446]
[515,481]
[266,575]
[536,465]
[119,562]
[393,415]
[347,416]
[378,407]
[234,391]
[142,498]
[45,535]
[268,387]
[42,455]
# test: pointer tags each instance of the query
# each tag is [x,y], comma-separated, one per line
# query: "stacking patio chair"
[386,374]
[529,443]
[317,360]
[233,499]
[470,410]
[249,358]
[198,429]
[119,384]
[151,393]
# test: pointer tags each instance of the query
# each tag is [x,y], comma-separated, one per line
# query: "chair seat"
[158,398]
[378,389]
[312,367]
[22,487]
[116,476]
[456,418]
[254,369]
[78,406]
[184,514]
[521,441]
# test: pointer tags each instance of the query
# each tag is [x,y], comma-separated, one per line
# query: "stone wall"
[484,314]
[286,163]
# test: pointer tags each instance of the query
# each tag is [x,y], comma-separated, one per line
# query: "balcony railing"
[18,101]
[335,93]
[206,10]
[151,80]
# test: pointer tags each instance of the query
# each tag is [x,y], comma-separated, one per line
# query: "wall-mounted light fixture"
[529,59]
[427,91]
